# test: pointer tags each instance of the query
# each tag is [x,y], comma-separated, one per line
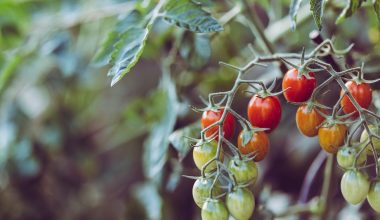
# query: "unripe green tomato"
[373,196]
[214,209]
[354,186]
[375,141]
[201,190]
[240,203]
[204,153]
[244,171]
[346,157]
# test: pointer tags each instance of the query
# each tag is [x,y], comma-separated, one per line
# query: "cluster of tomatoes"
[264,114]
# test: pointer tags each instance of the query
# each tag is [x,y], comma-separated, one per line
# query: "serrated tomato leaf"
[190,15]
[317,8]
[126,52]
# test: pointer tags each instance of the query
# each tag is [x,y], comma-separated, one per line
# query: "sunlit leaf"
[376,6]
[190,15]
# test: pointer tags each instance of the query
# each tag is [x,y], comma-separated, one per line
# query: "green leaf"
[294,6]
[317,8]
[376,6]
[148,196]
[196,49]
[156,145]
[350,9]
[180,142]
[103,55]
[247,136]
[127,51]
[190,15]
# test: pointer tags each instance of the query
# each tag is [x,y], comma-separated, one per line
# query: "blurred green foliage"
[71,147]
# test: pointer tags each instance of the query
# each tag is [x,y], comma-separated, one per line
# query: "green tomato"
[375,141]
[240,203]
[214,209]
[244,171]
[201,190]
[346,157]
[373,196]
[354,186]
[205,153]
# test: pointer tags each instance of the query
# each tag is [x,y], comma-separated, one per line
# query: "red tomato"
[264,112]
[362,93]
[210,117]
[298,89]
[259,144]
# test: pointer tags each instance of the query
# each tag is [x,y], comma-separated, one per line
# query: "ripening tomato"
[308,120]
[264,112]
[210,117]
[298,89]
[258,144]
[362,93]
[346,157]
[240,203]
[245,171]
[354,186]
[201,190]
[205,152]
[214,209]
[373,196]
[376,142]
[332,137]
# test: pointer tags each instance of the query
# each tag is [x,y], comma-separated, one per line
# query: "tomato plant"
[346,156]
[257,144]
[375,141]
[201,190]
[332,137]
[214,209]
[204,153]
[264,112]
[244,171]
[361,92]
[212,116]
[298,89]
[374,195]
[308,120]
[240,203]
[354,186]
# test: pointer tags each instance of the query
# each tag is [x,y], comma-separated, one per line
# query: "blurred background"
[72,147]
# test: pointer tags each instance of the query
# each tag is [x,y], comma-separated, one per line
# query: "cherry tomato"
[298,89]
[264,112]
[210,117]
[346,157]
[332,137]
[214,209]
[240,203]
[245,171]
[308,121]
[375,141]
[201,190]
[205,152]
[373,196]
[354,186]
[362,93]
[259,144]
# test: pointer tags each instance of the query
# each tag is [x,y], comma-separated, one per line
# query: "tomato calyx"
[247,134]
